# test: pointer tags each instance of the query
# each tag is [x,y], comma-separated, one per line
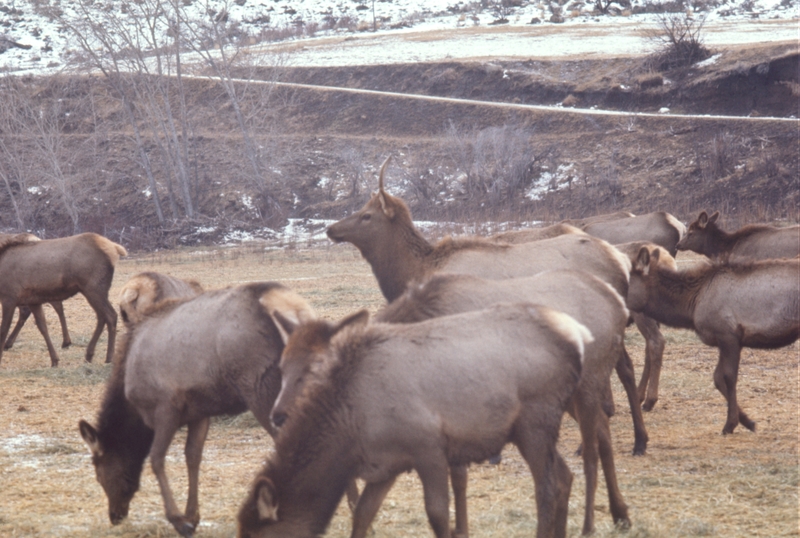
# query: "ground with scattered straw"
[692,482]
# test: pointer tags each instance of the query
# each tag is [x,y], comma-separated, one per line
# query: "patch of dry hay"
[692,482]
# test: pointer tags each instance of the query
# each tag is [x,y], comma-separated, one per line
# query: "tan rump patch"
[681,227]
[288,303]
[573,331]
[138,294]
[113,250]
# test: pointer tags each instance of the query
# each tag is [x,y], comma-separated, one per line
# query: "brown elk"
[186,361]
[388,398]
[385,235]
[752,242]
[54,270]
[754,305]
[535,234]
[586,298]
[586,221]
[658,227]
[146,289]
[654,340]
[25,312]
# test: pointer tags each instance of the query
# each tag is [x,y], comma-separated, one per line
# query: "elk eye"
[365,217]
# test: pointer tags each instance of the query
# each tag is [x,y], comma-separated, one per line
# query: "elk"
[185,361]
[590,301]
[729,306]
[658,227]
[25,312]
[54,270]
[752,242]
[648,327]
[149,288]
[388,398]
[535,234]
[385,235]
[584,222]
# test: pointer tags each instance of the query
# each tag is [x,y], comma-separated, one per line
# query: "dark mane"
[315,410]
[318,435]
[119,426]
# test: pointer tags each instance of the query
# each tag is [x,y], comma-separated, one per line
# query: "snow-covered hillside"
[339,32]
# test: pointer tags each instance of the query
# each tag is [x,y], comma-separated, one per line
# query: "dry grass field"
[692,482]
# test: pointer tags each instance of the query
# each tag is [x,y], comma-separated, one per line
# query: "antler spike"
[383,169]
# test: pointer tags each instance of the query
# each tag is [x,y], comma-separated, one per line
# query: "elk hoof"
[639,449]
[185,529]
[649,405]
[65,345]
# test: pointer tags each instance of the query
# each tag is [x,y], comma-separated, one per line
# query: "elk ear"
[89,435]
[266,500]
[702,219]
[359,318]
[284,325]
[655,256]
[713,218]
[642,260]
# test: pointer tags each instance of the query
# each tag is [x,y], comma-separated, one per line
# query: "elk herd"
[484,341]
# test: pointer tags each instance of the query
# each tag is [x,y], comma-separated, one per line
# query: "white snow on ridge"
[437,30]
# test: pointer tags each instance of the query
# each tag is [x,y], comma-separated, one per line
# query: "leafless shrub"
[494,163]
[721,157]
[679,42]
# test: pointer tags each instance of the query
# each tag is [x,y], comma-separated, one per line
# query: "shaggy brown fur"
[340,427]
[186,360]
[728,306]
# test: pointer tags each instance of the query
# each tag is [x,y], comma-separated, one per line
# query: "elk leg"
[627,377]
[458,481]
[24,314]
[725,378]
[106,317]
[8,316]
[653,357]
[66,341]
[433,475]
[551,476]
[617,506]
[585,414]
[166,426]
[195,439]
[368,505]
[352,495]
[41,323]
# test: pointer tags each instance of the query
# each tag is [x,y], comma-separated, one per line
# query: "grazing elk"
[54,270]
[144,290]
[385,235]
[586,298]
[186,361]
[388,398]
[754,305]
[752,242]
[25,312]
